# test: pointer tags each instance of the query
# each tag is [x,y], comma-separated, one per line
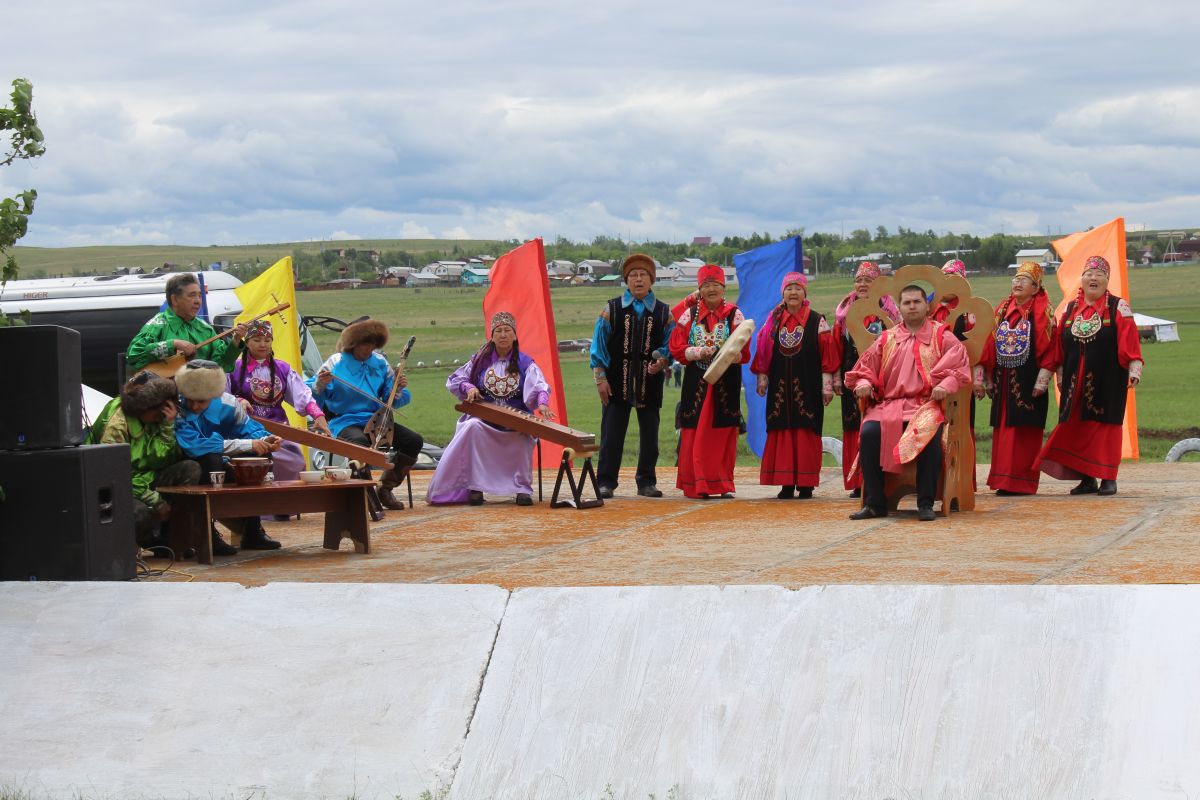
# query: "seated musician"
[484,458]
[266,382]
[344,388]
[178,329]
[143,416]
[905,375]
[211,432]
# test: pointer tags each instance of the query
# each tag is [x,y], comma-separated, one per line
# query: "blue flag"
[759,273]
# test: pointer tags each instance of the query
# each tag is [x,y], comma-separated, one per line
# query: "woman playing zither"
[1017,362]
[710,416]
[795,360]
[484,458]
[1098,357]
[847,355]
[266,382]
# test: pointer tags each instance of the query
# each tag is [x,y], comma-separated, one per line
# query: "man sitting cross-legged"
[904,377]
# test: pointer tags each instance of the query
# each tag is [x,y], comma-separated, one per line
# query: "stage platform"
[1145,534]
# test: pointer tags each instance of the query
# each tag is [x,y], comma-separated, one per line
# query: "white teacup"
[338,473]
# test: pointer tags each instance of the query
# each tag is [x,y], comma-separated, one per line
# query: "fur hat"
[368,330]
[146,391]
[639,261]
[201,380]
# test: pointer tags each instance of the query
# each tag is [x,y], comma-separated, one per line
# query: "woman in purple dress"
[483,458]
[265,382]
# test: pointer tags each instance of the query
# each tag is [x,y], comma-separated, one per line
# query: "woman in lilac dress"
[483,458]
[264,383]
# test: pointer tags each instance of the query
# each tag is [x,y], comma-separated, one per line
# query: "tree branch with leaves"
[19,123]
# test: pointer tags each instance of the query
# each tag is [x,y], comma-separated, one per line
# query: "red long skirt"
[1014,452]
[791,458]
[706,456]
[1080,448]
[849,453]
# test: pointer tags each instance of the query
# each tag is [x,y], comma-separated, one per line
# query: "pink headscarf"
[955,267]
[793,277]
[1098,263]
[869,269]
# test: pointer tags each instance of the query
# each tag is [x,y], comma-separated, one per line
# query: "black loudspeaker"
[67,514]
[44,408]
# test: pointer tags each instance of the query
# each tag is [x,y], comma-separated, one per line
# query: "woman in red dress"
[710,416]
[847,356]
[795,360]
[1098,357]
[1018,361]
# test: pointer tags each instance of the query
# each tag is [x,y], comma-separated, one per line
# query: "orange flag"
[1107,240]
[520,286]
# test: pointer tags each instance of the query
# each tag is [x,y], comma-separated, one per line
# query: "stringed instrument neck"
[169,366]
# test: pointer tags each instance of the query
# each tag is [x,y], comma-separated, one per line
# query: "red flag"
[520,286]
[1106,240]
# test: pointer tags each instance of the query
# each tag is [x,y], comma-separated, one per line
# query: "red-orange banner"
[1106,240]
[520,286]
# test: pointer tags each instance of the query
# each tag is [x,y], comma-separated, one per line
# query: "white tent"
[1160,330]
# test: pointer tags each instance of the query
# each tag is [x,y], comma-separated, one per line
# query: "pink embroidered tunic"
[903,368]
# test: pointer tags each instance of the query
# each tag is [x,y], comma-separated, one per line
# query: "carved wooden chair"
[956,486]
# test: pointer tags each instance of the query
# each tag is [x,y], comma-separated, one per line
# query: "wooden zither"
[575,442]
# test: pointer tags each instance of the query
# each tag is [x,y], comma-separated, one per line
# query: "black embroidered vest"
[630,345]
[1103,384]
[727,392]
[794,380]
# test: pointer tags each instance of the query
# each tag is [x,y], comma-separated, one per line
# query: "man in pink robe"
[904,377]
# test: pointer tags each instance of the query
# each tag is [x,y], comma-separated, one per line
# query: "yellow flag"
[277,285]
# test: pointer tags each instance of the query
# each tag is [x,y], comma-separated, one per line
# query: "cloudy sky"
[229,122]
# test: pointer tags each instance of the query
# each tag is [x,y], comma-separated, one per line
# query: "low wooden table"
[194,507]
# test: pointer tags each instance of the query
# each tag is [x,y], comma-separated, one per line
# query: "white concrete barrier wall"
[367,691]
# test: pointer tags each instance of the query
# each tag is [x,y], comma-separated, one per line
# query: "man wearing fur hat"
[209,431]
[628,356]
[143,416]
[358,363]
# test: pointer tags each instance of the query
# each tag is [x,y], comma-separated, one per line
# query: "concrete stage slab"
[112,690]
[307,691]
[1145,534]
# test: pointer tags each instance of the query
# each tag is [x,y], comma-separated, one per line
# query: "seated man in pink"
[903,378]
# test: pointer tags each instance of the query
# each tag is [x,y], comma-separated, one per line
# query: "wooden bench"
[193,508]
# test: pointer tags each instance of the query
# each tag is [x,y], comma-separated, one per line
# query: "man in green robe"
[179,330]
[143,416]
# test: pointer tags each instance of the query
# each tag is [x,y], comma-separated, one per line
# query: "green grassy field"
[50,261]
[448,324]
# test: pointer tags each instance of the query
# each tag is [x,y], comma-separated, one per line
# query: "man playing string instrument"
[178,329]
[356,381]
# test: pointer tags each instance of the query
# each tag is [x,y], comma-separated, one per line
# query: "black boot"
[220,547]
[866,512]
[1086,486]
[474,498]
[524,500]
[1107,488]
[856,494]
[804,492]
[925,512]
[786,493]
[255,538]
[401,464]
